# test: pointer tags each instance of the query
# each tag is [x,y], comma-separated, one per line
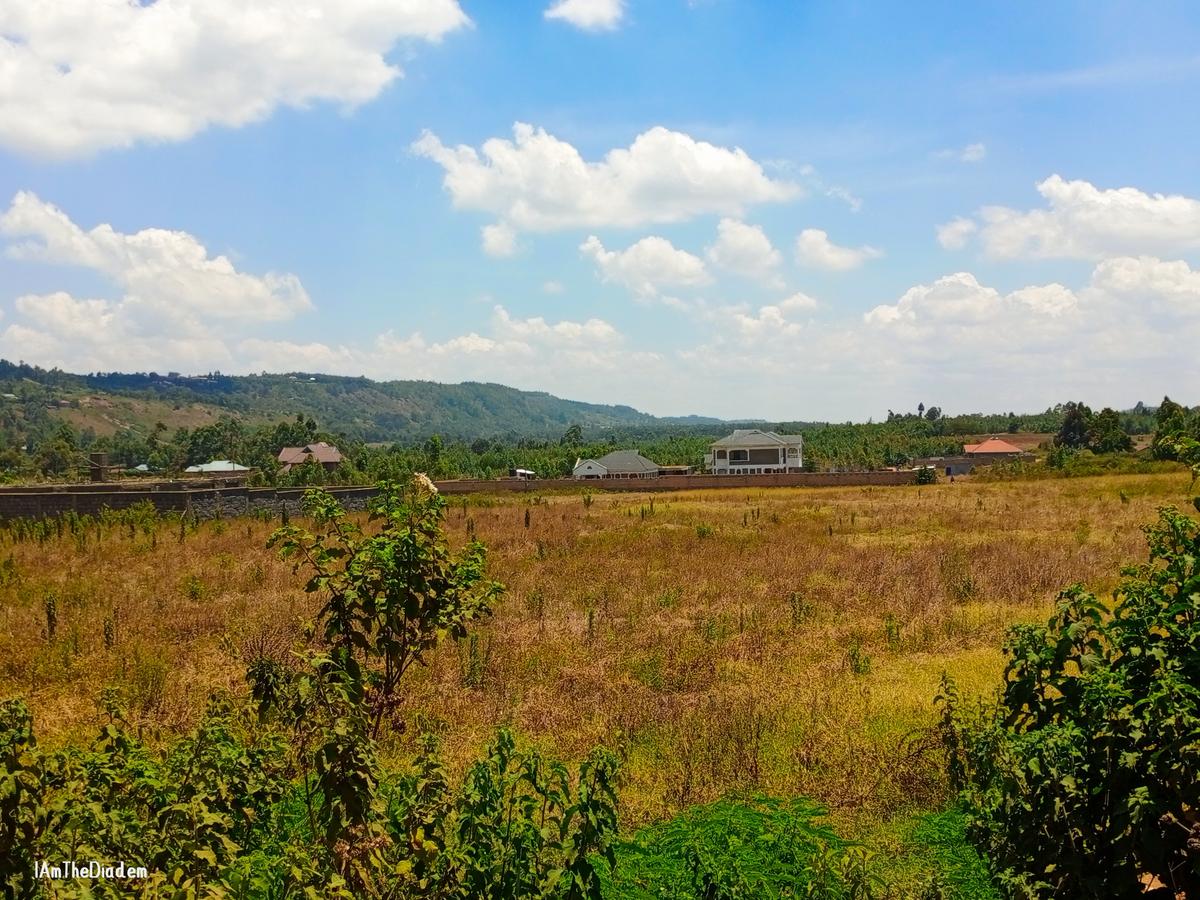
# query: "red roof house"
[327,455]
[992,447]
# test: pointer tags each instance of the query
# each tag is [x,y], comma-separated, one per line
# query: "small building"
[522,474]
[948,465]
[618,464]
[751,451]
[992,449]
[217,467]
[328,456]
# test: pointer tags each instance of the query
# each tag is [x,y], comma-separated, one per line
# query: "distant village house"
[985,453]
[217,467]
[326,455]
[618,464]
[750,451]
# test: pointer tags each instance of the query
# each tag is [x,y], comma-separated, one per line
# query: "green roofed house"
[618,464]
[749,451]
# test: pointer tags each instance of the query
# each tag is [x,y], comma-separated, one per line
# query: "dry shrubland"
[787,640]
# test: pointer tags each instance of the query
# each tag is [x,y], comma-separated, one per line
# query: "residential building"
[618,464]
[217,467]
[327,455]
[985,453]
[992,449]
[750,451]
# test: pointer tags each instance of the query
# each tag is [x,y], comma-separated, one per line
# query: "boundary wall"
[212,499]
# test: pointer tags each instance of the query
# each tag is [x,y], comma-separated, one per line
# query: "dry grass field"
[783,640]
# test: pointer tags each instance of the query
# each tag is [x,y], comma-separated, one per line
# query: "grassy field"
[783,641]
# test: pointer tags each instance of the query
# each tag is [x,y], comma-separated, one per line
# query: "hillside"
[358,407]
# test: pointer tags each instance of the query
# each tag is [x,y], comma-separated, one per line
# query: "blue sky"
[745,209]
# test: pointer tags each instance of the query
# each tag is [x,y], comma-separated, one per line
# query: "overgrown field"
[781,642]
[784,638]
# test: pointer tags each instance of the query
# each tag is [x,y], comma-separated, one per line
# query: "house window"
[739,456]
[793,451]
[720,454]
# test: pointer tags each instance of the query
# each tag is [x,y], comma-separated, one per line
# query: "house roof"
[318,452]
[624,462]
[754,437]
[991,445]
[218,465]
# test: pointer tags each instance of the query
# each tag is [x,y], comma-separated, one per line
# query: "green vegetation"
[468,430]
[1084,781]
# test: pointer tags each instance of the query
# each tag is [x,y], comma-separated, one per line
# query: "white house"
[618,464]
[749,451]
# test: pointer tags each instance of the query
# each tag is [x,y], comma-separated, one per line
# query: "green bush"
[1084,780]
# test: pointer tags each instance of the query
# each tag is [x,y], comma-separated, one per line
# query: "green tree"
[572,437]
[1076,426]
[1106,434]
[389,595]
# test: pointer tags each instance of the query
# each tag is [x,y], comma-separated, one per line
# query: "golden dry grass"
[788,640]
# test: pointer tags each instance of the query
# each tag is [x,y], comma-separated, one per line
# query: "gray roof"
[627,461]
[754,437]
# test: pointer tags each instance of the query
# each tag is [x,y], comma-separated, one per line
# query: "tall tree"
[1076,426]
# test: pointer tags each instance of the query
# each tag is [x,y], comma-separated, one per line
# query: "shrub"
[1084,780]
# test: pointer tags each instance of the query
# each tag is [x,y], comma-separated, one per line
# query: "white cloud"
[1082,221]
[955,233]
[78,76]
[775,320]
[797,302]
[961,299]
[590,15]
[651,263]
[813,248]
[552,287]
[166,273]
[176,300]
[1158,286]
[537,182]
[746,250]
[499,240]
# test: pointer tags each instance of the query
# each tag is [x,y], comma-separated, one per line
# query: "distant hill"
[358,407]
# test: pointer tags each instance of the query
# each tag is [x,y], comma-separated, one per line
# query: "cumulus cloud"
[589,15]
[161,272]
[1082,221]
[954,234]
[745,250]
[645,267]
[815,249]
[1157,285]
[773,321]
[78,76]
[537,182]
[960,298]
[174,295]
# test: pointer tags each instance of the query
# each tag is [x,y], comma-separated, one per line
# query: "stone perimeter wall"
[215,500]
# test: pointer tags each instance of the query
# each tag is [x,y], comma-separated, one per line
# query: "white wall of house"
[589,468]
